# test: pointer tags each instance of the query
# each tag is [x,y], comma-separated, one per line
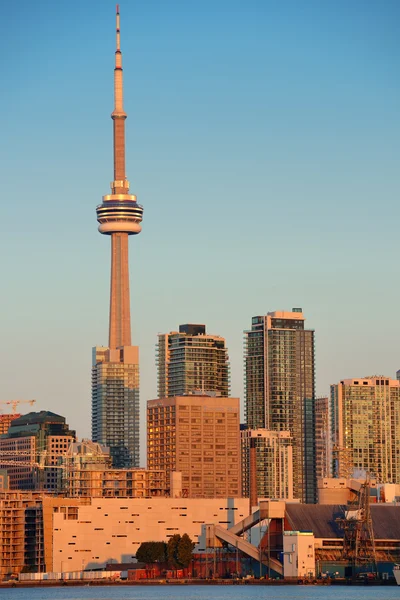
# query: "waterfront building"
[115,369]
[31,449]
[190,360]
[366,427]
[199,436]
[42,534]
[280,388]
[271,462]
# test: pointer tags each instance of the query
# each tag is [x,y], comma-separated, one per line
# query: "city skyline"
[245,120]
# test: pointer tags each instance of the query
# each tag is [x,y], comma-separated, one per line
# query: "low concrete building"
[340,490]
[298,554]
[55,534]
[389,492]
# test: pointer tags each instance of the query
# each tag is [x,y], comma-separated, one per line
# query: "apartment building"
[191,360]
[365,421]
[199,436]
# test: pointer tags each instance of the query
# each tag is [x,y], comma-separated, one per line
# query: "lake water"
[239,592]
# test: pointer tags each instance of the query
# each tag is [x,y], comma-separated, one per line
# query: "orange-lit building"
[30,450]
[5,421]
[198,435]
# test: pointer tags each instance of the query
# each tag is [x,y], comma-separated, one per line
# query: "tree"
[185,550]
[172,550]
[160,552]
[151,552]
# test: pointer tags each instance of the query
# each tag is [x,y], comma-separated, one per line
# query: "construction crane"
[358,533]
[14,403]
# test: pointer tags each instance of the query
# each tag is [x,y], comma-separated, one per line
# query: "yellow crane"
[15,403]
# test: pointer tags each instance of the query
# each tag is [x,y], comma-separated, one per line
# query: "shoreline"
[190,582]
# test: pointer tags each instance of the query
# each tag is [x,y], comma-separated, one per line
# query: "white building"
[89,533]
[298,554]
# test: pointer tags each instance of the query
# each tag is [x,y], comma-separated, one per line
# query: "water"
[208,592]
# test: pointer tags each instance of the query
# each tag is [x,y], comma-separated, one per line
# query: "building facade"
[6,420]
[31,450]
[87,473]
[115,369]
[191,360]
[280,388]
[115,403]
[54,534]
[323,450]
[273,463]
[366,427]
[200,437]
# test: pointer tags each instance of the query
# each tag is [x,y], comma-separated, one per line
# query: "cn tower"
[115,369]
[119,216]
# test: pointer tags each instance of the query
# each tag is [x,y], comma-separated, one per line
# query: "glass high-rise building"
[190,360]
[280,388]
[365,420]
[115,403]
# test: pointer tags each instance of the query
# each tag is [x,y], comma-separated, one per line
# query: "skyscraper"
[280,388]
[191,360]
[199,436]
[115,372]
[365,417]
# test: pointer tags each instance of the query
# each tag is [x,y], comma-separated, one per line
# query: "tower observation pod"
[119,216]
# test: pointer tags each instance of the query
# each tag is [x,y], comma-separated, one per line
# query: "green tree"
[172,550]
[160,552]
[143,553]
[185,550]
[151,552]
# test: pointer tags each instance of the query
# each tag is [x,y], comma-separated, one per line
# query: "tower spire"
[119,215]
[118,82]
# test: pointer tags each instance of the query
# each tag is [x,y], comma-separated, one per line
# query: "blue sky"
[263,142]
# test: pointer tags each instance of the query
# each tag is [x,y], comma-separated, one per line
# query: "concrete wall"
[112,529]
[299,554]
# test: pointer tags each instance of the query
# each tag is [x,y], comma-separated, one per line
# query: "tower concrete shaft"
[120,314]
[119,216]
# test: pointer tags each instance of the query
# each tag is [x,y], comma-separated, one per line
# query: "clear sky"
[263,141]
